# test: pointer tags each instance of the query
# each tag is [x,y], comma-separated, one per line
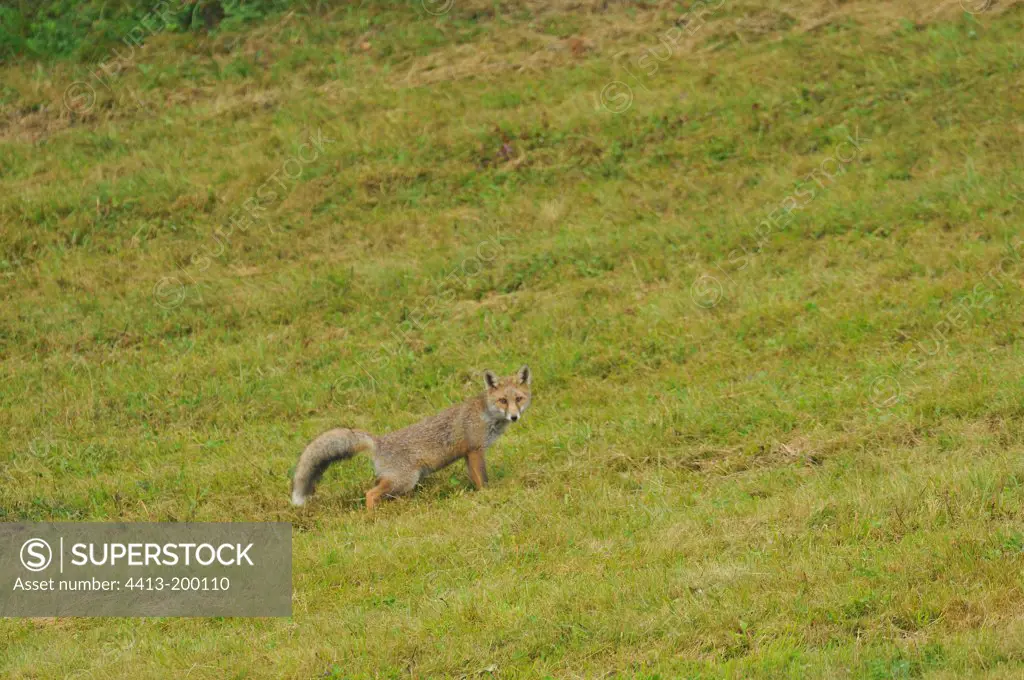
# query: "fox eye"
[519,400]
[503,401]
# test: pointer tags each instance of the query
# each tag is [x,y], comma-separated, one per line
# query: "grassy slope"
[705,491]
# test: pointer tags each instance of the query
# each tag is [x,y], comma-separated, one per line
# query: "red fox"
[402,458]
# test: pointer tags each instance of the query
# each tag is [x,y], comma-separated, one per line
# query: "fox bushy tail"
[331,446]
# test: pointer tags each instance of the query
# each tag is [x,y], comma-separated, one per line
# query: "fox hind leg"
[388,487]
[374,495]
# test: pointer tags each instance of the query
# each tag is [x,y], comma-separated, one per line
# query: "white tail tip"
[298,499]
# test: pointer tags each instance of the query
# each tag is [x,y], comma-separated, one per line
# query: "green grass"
[790,449]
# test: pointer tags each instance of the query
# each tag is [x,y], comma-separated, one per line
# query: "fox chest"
[493,431]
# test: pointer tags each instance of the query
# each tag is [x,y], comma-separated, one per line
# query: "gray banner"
[145,569]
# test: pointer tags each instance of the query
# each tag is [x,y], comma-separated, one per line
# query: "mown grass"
[755,451]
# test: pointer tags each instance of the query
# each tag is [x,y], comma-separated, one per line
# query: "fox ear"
[490,379]
[524,375]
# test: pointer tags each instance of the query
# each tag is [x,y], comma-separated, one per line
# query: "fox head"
[507,398]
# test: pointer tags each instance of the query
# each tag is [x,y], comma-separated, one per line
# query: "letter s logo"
[36,554]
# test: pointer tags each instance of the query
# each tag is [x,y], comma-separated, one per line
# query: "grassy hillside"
[765,264]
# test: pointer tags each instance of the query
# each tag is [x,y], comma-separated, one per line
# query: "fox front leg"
[477,468]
